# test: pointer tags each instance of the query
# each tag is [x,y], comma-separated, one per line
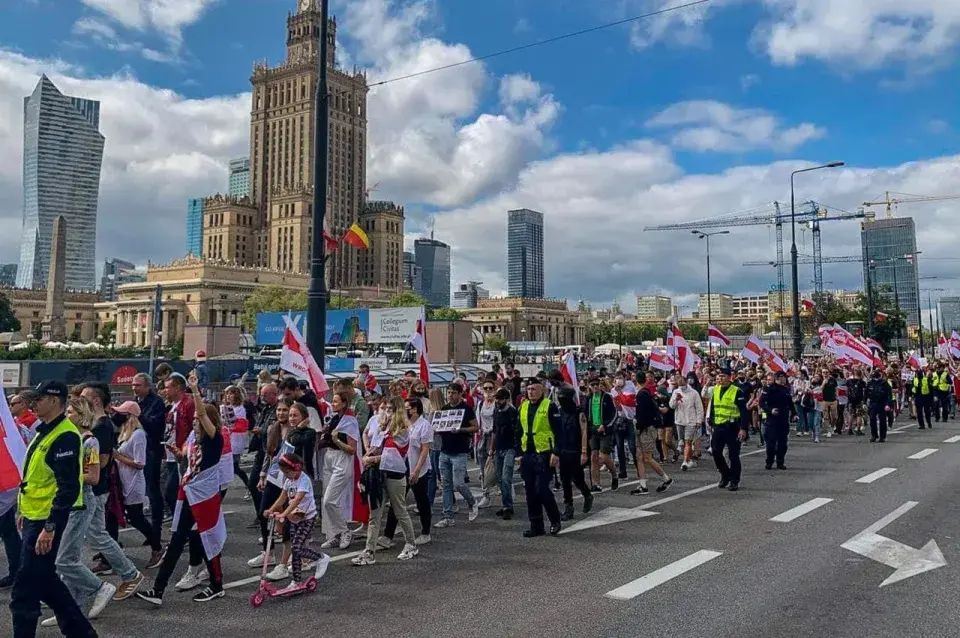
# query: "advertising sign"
[352,326]
[11,374]
[393,325]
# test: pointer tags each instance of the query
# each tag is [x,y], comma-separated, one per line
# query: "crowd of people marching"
[363,460]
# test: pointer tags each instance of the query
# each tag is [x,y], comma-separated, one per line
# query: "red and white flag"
[660,360]
[913,361]
[419,343]
[201,493]
[226,460]
[352,505]
[808,304]
[943,347]
[873,343]
[955,345]
[880,316]
[296,358]
[849,346]
[13,450]
[684,356]
[753,349]
[568,370]
[715,336]
[626,399]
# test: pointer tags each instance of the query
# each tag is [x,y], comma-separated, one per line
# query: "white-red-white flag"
[12,452]
[943,347]
[296,358]
[201,493]
[753,349]
[626,399]
[418,341]
[683,355]
[714,335]
[873,343]
[660,360]
[955,345]
[849,346]
[568,370]
[913,361]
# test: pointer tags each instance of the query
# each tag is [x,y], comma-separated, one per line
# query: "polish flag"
[880,316]
[626,400]
[13,450]
[808,304]
[569,372]
[715,336]
[296,358]
[753,350]
[352,506]
[419,343]
[660,360]
[913,361]
[201,493]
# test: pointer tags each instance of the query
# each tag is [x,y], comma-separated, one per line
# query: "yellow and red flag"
[356,237]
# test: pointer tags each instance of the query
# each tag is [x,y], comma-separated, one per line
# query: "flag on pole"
[569,372]
[331,242]
[753,349]
[418,341]
[873,343]
[943,347]
[683,355]
[356,237]
[808,304]
[913,361]
[880,316]
[715,336]
[660,360]
[849,346]
[296,358]
[955,345]
[13,450]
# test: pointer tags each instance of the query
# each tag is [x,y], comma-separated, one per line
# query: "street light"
[794,276]
[707,236]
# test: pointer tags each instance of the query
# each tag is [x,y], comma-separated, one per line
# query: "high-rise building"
[433,258]
[116,272]
[8,275]
[62,157]
[654,307]
[239,184]
[525,253]
[412,273]
[469,294]
[948,309]
[195,226]
[382,264]
[884,242]
[720,306]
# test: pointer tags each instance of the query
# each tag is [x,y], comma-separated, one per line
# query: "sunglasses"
[488,388]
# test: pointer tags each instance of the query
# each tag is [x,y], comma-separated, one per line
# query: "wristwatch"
[49,527]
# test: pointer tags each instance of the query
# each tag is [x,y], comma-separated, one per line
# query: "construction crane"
[807,259]
[367,191]
[893,202]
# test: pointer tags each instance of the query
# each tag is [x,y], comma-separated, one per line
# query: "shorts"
[647,441]
[602,443]
[691,432]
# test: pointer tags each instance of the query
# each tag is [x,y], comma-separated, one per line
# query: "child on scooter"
[296,506]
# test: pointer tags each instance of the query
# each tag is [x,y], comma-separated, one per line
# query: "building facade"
[535,320]
[525,254]
[433,258]
[62,158]
[238,184]
[195,226]
[468,294]
[8,275]
[115,273]
[750,308]
[30,305]
[381,265]
[654,307]
[948,309]
[412,273]
[717,305]
[885,241]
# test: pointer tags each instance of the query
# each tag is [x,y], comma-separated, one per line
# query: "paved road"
[708,562]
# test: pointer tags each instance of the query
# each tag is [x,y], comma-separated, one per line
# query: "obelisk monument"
[54,325]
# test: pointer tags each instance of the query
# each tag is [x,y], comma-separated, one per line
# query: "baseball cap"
[52,388]
[128,407]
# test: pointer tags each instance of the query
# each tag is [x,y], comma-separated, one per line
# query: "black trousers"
[423,506]
[11,539]
[775,434]
[626,438]
[252,483]
[268,497]
[943,405]
[571,473]
[182,535]
[152,471]
[37,581]
[924,405]
[172,485]
[726,438]
[537,478]
[878,417]
[137,520]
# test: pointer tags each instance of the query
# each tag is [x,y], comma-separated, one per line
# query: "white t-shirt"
[420,433]
[134,485]
[376,437]
[485,415]
[393,457]
[303,484]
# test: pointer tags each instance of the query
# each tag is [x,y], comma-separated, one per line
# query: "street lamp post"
[794,275]
[317,292]
[707,236]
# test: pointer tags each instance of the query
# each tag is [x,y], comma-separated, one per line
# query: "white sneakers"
[322,566]
[280,572]
[409,551]
[345,539]
[422,539]
[257,561]
[474,512]
[330,543]
[385,543]
[100,600]
[484,503]
[192,578]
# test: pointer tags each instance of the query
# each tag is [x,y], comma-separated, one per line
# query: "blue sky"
[678,117]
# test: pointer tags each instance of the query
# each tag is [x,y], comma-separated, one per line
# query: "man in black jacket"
[258,444]
[879,399]
[776,403]
[649,418]
[573,450]
[153,418]
[601,415]
[504,446]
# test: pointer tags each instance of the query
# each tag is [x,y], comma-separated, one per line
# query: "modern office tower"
[468,294]
[433,258]
[525,253]
[887,242]
[239,184]
[195,226]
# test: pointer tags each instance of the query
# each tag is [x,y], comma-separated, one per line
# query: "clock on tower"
[306,5]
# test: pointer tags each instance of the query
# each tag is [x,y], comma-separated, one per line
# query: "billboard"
[352,326]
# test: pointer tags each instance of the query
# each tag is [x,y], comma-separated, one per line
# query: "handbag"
[490,477]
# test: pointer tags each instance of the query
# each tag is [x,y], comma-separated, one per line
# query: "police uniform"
[538,444]
[943,384]
[51,489]
[725,417]
[923,388]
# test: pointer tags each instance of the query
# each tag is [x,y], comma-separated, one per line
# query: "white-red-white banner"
[568,370]
[660,360]
[13,449]
[418,341]
[296,358]
[714,335]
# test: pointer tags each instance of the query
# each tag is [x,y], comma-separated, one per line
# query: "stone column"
[165,328]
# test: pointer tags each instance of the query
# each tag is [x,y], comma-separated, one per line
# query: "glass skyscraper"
[62,157]
[948,308]
[195,226]
[240,177]
[433,258]
[884,242]
[525,253]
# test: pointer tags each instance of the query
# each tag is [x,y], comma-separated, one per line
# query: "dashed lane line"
[798,511]
[922,454]
[879,474]
[665,574]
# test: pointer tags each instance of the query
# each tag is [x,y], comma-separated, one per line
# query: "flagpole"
[317,293]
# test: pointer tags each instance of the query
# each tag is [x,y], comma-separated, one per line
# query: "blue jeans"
[453,472]
[101,542]
[74,573]
[817,422]
[804,418]
[434,475]
[504,460]
[483,451]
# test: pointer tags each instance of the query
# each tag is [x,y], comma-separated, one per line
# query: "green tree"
[496,344]
[407,299]
[107,330]
[75,335]
[444,314]
[271,299]
[8,320]
[886,330]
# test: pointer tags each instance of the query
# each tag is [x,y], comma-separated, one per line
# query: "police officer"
[50,490]
[923,389]
[879,402]
[943,384]
[777,404]
[539,417]
[729,429]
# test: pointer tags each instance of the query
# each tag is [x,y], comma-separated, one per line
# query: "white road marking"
[800,510]
[879,474]
[656,578]
[953,439]
[608,516]
[922,454]
[256,579]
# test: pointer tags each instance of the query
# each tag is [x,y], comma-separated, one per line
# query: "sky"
[683,116]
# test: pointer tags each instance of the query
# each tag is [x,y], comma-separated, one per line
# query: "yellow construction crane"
[893,202]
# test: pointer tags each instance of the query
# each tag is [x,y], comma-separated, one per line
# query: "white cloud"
[106,36]
[518,88]
[707,125]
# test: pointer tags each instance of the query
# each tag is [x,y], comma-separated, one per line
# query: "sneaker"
[364,559]
[409,551]
[331,543]
[49,622]
[385,543]
[614,484]
[156,557]
[151,596]
[444,522]
[189,580]
[663,486]
[345,539]
[7,581]
[684,466]
[639,490]
[293,588]
[102,598]
[474,512]
[816,439]
[734,487]
[322,565]
[484,503]
[692,464]
[101,568]
[128,587]
[422,539]
[280,572]
[257,561]
[207,594]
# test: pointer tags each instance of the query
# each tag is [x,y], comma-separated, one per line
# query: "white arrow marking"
[953,439]
[879,474]
[656,578]
[906,560]
[608,516]
[800,510]
[922,454]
